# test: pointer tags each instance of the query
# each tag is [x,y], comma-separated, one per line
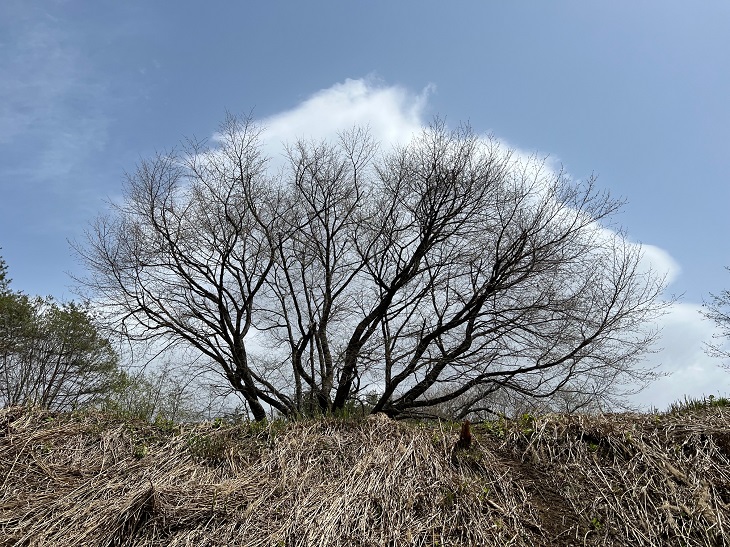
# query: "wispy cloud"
[50,118]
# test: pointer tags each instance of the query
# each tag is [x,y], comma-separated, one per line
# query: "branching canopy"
[442,270]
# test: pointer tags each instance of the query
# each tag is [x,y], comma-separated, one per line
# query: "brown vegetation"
[87,479]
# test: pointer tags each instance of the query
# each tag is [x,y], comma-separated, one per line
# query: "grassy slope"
[87,479]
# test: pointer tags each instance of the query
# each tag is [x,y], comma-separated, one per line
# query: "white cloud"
[661,262]
[392,113]
[690,371]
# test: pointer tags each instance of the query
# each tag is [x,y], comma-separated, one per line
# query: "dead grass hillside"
[94,480]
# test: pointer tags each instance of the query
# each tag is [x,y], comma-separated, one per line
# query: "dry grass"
[90,479]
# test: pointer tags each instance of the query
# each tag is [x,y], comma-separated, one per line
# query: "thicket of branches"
[718,310]
[436,272]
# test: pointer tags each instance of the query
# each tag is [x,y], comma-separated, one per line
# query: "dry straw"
[88,479]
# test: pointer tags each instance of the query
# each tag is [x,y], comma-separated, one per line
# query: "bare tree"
[718,310]
[443,270]
[186,253]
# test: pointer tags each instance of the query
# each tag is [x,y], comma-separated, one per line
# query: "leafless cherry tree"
[442,270]
[188,250]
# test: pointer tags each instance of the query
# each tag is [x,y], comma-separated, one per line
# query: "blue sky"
[636,92]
